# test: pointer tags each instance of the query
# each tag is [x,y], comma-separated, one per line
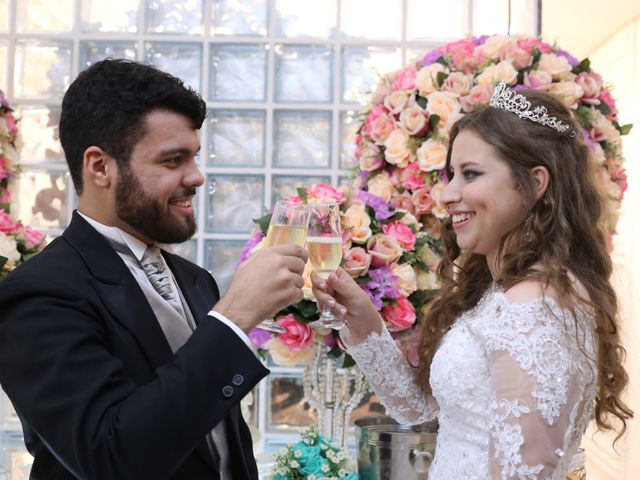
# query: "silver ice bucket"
[389,451]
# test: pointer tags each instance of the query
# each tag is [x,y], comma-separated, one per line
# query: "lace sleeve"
[538,380]
[392,378]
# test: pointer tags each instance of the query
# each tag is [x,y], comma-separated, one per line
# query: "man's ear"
[541,179]
[98,168]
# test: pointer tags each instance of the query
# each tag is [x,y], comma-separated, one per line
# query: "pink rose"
[7,225]
[412,177]
[298,336]
[32,238]
[591,83]
[528,44]
[5,196]
[357,262]
[422,201]
[537,79]
[605,96]
[293,199]
[405,79]
[325,193]
[384,250]
[381,128]
[402,233]
[458,82]
[478,96]
[402,201]
[369,158]
[399,316]
[519,57]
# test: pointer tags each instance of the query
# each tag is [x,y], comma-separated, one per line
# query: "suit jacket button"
[237,380]
[227,391]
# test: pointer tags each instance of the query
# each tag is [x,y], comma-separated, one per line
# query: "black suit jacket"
[97,388]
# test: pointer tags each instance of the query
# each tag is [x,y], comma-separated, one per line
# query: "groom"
[120,358]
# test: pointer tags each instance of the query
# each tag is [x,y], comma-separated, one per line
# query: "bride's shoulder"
[527,291]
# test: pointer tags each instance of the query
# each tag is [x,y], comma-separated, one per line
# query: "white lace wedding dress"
[513,389]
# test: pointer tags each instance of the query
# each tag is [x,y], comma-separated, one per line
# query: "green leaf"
[604,108]
[363,280]
[348,361]
[263,222]
[440,78]
[623,129]
[583,66]
[307,308]
[433,121]
[536,56]
[302,193]
[3,260]
[422,297]
[422,101]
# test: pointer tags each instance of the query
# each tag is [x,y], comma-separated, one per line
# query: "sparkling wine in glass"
[288,225]
[324,244]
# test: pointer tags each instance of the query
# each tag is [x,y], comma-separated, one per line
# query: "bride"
[521,350]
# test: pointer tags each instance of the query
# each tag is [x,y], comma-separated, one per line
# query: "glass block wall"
[283,80]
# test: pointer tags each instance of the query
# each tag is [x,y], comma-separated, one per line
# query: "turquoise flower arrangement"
[315,457]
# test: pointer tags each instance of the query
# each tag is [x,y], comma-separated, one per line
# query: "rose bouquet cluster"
[18,242]
[313,458]
[391,214]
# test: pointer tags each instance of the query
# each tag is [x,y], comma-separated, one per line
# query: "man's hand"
[270,280]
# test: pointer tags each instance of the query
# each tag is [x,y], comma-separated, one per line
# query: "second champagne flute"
[288,225]
[324,244]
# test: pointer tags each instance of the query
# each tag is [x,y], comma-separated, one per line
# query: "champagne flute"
[288,225]
[324,244]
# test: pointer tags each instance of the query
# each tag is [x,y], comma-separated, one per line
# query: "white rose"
[9,249]
[502,72]
[397,150]
[413,120]
[439,210]
[356,221]
[432,155]
[426,78]
[381,185]
[568,92]
[458,83]
[407,282]
[558,67]
[396,101]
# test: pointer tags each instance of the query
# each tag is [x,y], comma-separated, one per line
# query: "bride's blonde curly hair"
[565,236]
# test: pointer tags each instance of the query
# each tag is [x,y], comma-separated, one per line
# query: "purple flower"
[382,284]
[259,337]
[573,61]
[587,139]
[381,208]
[431,57]
[481,40]
[4,103]
[246,250]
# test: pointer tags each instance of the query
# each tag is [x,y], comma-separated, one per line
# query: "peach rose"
[558,67]
[431,155]
[478,96]
[502,72]
[356,221]
[322,193]
[567,92]
[429,257]
[397,150]
[458,83]
[443,104]
[591,84]
[381,185]
[518,57]
[414,121]
[399,316]
[402,233]
[356,262]
[426,78]
[496,45]
[537,79]
[409,218]
[438,210]
[422,201]
[307,290]
[427,280]
[282,355]
[407,282]
[384,250]
[396,101]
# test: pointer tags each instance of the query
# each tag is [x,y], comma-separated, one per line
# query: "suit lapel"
[119,290]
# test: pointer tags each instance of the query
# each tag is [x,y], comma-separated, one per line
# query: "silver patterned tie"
[153,266]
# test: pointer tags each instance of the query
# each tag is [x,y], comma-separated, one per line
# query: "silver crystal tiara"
[506,99]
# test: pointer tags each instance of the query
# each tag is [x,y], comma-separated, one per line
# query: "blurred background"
[284,80]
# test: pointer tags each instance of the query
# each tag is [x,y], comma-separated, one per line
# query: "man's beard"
[144,214]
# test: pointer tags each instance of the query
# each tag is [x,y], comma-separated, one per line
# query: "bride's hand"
[347,300]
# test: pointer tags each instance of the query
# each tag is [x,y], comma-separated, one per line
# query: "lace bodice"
[513,389]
